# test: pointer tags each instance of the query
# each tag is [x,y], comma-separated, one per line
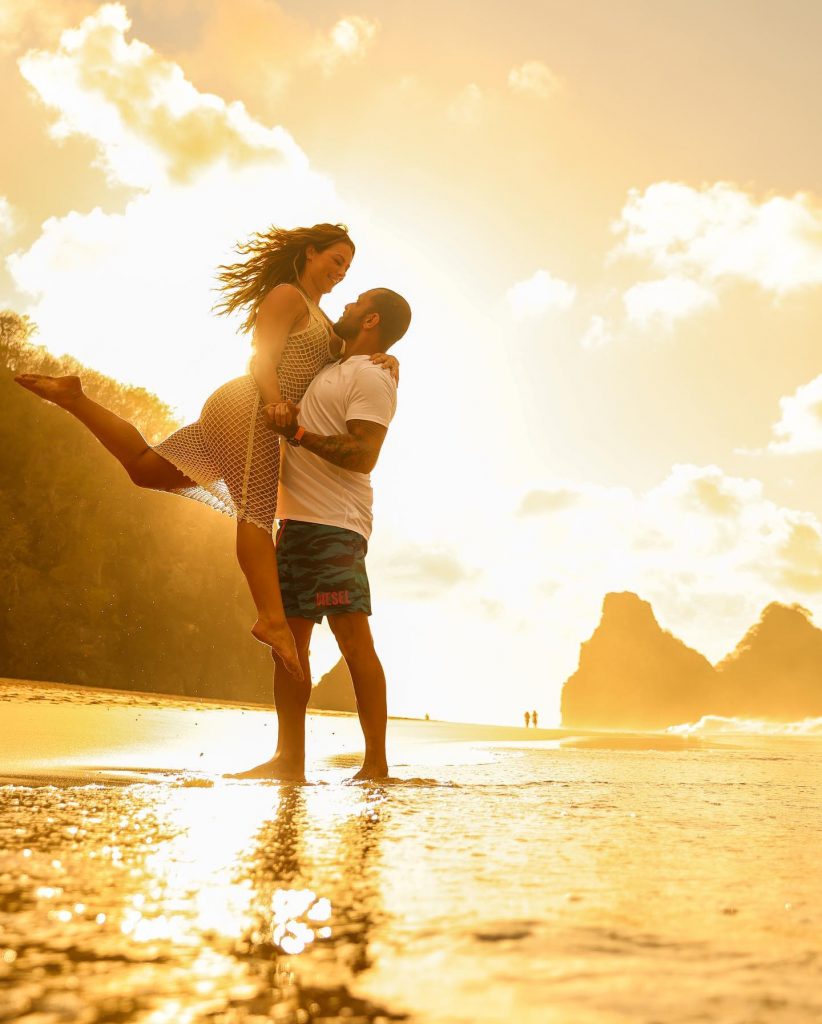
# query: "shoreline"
[62,733]
[170,698]
[679,736]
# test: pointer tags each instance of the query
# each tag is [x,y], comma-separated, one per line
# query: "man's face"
[348,326]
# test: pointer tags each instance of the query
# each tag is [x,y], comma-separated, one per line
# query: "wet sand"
[58,730]
[545,877]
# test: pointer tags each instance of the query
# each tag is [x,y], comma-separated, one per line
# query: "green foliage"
[102,583]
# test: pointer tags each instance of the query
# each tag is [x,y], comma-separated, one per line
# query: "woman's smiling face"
[329,266]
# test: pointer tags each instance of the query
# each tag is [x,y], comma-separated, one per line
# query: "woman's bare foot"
[281,641]
[276,768]
[62,391]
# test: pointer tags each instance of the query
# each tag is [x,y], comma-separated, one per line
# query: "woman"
[230,458]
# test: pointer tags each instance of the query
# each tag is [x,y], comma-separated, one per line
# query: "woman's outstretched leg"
[257,556]
[125,442]
[255,547]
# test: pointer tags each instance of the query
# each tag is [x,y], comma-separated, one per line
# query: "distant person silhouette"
[534,718]
[527,719]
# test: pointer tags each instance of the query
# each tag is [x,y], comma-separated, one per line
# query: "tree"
[103,583]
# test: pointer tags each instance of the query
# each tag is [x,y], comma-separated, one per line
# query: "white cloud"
[349,40]
[799,429]
[206,175]
[8,220]
[467,106]
[539,294]
[150,123]
[533,78]
[423,571]
[666,300]
[708,549]
[551,499]
[721,234]
[598,333]
[800,555]
[706,490]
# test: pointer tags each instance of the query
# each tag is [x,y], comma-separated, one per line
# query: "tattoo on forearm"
[356,450]
[341,450]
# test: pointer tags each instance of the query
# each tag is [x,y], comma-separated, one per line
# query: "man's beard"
[346,329]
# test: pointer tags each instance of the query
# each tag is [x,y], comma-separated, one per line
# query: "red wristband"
[297,438]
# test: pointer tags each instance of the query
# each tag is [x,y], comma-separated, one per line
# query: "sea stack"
[334,691]
[632,674]
[776,669]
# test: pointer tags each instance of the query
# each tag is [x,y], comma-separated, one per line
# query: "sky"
[604,217]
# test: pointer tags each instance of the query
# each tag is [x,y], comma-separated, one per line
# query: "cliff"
[105,584]
[632,674]
[776,669]
[334,691]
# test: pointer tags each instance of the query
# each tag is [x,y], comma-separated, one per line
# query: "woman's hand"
[387,362]
[282,417]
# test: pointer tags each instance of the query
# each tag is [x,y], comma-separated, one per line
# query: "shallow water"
[500,881]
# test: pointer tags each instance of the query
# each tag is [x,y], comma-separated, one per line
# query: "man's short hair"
[395,314]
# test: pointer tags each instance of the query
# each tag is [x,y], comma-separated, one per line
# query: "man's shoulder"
[371,393]
[369,374]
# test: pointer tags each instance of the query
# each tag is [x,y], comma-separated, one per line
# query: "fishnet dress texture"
[230,452]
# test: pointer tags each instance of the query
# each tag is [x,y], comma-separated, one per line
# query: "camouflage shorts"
[322,570]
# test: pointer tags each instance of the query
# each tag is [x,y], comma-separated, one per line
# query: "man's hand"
[283,417]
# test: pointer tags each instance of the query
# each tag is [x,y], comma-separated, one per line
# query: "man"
[325,506]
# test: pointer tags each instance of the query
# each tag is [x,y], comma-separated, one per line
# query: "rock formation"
[632,674]
[334,691]
[776,670]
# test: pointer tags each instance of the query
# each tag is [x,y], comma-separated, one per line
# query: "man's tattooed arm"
[357,450]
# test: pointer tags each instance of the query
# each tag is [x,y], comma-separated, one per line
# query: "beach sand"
[502,875]
[55,730]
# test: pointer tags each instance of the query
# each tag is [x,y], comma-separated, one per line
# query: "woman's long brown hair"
[273,257]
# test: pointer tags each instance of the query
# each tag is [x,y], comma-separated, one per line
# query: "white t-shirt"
[313,490]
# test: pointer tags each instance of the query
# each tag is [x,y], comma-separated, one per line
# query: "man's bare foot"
[276,768]
[281,641]
[62,391]
[371,770]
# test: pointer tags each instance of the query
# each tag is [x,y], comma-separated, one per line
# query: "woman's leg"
[291,699]
[257,556]
[125,442]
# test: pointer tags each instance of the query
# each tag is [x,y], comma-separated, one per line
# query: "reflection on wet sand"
[317,893]
[176,903]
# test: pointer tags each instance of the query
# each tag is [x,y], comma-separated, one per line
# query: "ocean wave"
[718,725]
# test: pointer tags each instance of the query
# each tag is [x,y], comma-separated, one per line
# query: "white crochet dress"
[230,452]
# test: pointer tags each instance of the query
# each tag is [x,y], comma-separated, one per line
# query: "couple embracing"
[295,439]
